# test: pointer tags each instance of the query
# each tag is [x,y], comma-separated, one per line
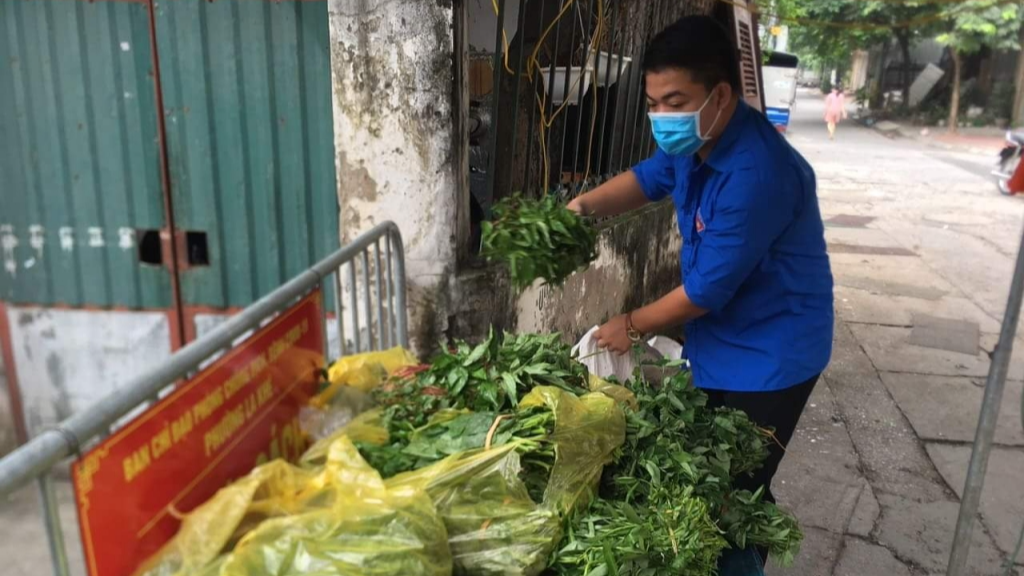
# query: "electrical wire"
[591,58]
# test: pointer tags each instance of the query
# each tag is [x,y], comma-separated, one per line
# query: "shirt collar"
[719,157]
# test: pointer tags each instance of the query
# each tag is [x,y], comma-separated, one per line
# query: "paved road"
[922,248]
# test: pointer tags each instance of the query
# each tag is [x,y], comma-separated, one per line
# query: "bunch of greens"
[748,518]
[677,466]
[452,432]
[615,537]
[667,505]
[407,405]
[451,405]
[494,374]
[538,239]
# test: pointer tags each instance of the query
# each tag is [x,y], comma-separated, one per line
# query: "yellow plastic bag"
[364,371]
[494,527]
[365,427]
[269,490]
[284,520]
[588,429]
[621,394]
[359,527]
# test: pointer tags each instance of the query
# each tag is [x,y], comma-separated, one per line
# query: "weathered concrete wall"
[638,263]
[394,127]
[68,359]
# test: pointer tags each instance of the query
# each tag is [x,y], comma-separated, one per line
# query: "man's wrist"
[631,330]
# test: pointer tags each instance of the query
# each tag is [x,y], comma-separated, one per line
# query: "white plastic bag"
[607,364]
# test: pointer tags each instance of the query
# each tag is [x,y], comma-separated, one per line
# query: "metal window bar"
[591,50]
[519,71]
[533,107]
[629,120]
[558,166]
[35,459]
[613,43]
[599,130]
[549,99]
[354,307]
[498,64]
[339,315]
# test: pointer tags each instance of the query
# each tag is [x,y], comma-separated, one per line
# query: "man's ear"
[723,95]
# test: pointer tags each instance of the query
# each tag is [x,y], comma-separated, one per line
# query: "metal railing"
[995,385]
[365,275]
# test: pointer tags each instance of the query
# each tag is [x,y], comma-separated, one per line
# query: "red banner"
[241,411]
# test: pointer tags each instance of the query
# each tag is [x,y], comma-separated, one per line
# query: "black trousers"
[779,410]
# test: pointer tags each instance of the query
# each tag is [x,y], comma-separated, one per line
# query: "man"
[756,296]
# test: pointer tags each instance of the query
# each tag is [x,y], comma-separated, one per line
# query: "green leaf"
[654,471]
[509,384]
[609,560]
[476,355]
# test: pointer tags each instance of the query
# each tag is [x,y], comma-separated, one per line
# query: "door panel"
[79,156]
[248,131]
[248,114]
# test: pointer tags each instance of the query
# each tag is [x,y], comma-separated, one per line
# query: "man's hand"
[577,206]
[614,335]
[616,196]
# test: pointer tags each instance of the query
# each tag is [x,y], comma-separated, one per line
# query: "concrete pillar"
[392,68]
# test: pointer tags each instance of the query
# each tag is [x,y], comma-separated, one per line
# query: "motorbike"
[1009,159]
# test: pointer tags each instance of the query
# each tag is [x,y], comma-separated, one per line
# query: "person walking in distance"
[835,110]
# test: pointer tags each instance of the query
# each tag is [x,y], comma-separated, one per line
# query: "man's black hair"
[699,45]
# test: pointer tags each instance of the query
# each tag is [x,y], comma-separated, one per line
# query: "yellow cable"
[504,36]
[532,65]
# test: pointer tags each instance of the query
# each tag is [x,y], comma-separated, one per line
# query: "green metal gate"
[79,155]
[247,108]
[226,192]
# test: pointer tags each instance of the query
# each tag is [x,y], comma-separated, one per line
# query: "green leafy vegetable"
[666,505]
[678,538]
[749,519]
[538,239]
[676,468]
[494,374]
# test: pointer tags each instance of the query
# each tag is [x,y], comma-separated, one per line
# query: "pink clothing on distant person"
[835,107]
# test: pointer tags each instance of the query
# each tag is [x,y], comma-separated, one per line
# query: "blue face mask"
[679,133]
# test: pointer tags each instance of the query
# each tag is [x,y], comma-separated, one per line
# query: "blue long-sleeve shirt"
[753,255]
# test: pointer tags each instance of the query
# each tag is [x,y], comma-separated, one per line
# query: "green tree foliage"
[829,31]
[974,25]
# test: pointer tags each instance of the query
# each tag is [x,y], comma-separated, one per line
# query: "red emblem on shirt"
[699,222]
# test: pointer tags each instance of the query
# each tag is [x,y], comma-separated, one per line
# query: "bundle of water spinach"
[668,505]
[538,239]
